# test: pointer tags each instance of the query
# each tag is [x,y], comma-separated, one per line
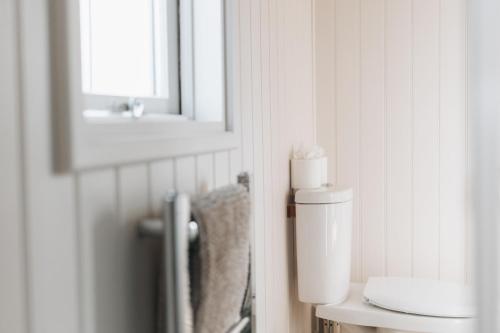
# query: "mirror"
[136,80]
[143,58]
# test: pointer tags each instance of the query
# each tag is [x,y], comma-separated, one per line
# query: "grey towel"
[223,217]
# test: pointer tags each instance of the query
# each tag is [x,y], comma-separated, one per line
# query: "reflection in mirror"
[153,57]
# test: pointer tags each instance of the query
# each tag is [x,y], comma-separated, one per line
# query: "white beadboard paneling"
[256,113]
[278,100]
[95,255]
[256,150]
[49,198]
[426,138]
[117,271]
[136,275]
[221,169]
[453,167]
[115,262]
[400,130]
[297,119]
[372,142]
[102,290]
[348,95]
[246,99]
[325,80]
[205,172]
[276,91]
[234,165]
[263,140]
[470,251]
[261,229]
[279,288]
[185,174]
[398,50]
[13,308]
[298,62]
[52,249]
[161,180]
[484,149]
[266,204]
[265,118]
[133,182]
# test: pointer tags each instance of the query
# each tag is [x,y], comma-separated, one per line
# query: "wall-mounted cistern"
[323,232]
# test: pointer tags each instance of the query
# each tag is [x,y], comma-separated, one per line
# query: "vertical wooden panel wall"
[387,78]
[111,201]
[72,259]
[277,112]
[391,111]
[13,305]
[75,233]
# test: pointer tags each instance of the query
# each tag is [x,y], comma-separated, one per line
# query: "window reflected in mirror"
[153,57]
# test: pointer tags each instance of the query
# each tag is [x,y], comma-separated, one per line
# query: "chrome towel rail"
[176,227]
[154,227]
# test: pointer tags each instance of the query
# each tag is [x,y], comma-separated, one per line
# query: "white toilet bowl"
[403,306]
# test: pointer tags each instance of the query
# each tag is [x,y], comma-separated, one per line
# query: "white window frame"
[83,142]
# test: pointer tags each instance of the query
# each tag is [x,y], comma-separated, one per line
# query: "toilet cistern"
[323,239]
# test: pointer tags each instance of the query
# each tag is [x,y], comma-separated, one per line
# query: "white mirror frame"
[83,144]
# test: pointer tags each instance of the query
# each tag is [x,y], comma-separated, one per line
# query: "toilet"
[403,305]
[323,234]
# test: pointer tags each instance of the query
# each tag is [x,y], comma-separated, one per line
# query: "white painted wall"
[391,98]
[277,112]
[382,86]
[68,245]
[13,307]
[69,255]
[484,103]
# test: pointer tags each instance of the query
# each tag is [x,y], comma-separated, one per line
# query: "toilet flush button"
[420,296]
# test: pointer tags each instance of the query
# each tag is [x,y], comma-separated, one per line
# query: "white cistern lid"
[420,296]
[323,195]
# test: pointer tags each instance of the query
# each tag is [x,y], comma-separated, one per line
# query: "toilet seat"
[355,311]
[420,296]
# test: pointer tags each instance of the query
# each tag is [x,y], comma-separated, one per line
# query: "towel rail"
[176,227]
[154,227]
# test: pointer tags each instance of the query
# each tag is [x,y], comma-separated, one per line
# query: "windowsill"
[100,116]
